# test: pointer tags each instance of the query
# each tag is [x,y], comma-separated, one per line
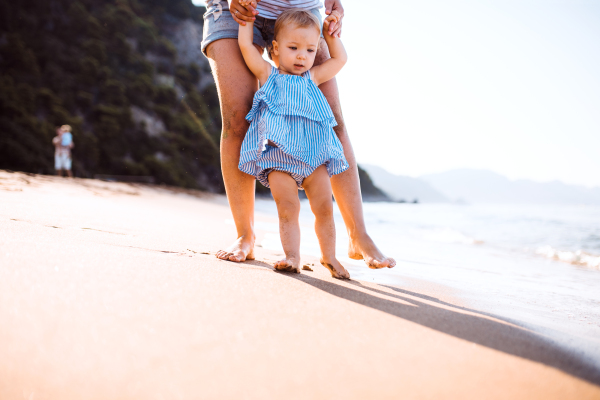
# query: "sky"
[508,86]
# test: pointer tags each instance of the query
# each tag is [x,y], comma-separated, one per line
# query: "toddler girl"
[291,143]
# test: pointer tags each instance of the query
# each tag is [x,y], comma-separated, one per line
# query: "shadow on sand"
[452,320]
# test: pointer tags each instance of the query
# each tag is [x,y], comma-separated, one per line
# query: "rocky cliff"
[127,75]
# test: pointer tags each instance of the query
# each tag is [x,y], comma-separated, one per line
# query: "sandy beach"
[112,291]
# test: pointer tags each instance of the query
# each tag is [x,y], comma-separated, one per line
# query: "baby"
[291,144]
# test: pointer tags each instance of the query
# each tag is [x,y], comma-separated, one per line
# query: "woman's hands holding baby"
[243,11]
[246,3]
[335,14]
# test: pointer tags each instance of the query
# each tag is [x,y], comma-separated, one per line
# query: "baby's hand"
[245,3]
[333,22]
[330,19]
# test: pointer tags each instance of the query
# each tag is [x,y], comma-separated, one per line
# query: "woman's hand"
[243,13]
[335,13]
[246,3]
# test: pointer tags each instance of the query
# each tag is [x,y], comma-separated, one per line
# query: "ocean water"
[536,265]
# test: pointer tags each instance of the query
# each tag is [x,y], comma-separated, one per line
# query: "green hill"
[127,75]
[107,68]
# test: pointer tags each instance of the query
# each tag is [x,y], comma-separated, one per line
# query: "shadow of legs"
[479,329]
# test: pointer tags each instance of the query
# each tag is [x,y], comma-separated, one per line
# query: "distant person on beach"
[63,143]
[291,144]
[237,85]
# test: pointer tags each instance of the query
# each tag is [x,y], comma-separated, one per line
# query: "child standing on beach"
[291,143]
[63,143]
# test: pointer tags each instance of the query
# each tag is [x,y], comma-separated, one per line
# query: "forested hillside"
[127,75]
[109,69]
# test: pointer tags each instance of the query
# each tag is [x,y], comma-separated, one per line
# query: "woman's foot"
[241,250]
[337,270]
[289,264]
[364,249]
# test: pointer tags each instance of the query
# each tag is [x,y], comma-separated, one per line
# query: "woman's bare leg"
[285,193]
[236,86]
[346,186]
[318,191]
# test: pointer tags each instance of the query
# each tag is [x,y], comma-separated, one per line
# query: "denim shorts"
[62,160]
[219,24]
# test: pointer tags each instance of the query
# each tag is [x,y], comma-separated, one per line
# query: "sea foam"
[573,257]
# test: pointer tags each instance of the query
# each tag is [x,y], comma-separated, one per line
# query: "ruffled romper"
[291,130]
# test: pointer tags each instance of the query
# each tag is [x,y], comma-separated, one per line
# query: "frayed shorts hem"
[225,27]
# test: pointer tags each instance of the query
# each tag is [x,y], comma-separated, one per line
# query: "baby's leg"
[285,193]
[318,191]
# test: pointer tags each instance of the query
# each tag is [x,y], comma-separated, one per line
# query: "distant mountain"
[405,188]
[368,189]
[480,186]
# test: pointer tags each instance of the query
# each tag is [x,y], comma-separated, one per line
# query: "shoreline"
[112,290]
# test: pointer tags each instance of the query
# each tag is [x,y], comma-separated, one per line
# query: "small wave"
[572,257]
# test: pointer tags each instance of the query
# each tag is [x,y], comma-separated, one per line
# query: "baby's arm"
[259,67]
[327,70]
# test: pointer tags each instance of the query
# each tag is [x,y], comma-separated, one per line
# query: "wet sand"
[112,291]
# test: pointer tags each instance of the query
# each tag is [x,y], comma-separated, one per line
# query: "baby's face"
[296,49]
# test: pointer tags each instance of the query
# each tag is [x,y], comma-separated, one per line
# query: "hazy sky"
[510,86]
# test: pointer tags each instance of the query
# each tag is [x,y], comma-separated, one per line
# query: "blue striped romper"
[291,130]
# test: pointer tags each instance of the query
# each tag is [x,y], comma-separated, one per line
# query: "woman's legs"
[285,193]
[236,86]
[346,186]
[318,191]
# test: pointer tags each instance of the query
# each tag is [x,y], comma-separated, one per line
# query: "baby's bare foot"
[337,270]
[289,264]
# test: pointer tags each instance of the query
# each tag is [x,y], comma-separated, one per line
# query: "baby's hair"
[66,128]
[300,18]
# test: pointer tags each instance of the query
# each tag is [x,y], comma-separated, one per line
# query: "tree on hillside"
[88,63]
